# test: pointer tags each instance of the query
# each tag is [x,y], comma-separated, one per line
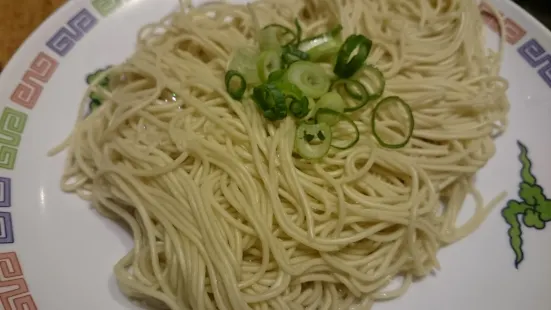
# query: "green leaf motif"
[106,7]
[531,194]
[510,213]
[534,210]
[526,173]
[532,219]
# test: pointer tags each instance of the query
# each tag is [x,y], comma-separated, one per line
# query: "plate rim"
[27,46]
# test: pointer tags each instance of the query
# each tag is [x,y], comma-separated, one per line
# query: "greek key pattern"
[28,91]
[5,192]
[537,57]
[513,31]
[14,292]
[66,38]
[12,124]
[6,226]
[106,7]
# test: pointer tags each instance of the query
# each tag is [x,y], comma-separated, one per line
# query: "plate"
[56,253]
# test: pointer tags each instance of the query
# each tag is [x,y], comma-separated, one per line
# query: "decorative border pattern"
[14,291]
[6,228]
[538,58]
[66,38]
[513,31]
[5,192]
[530,210]
[106,7]
[28,91]
[12,125]
[6,225]
[531,51]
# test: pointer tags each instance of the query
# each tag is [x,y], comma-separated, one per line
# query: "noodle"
[223,215]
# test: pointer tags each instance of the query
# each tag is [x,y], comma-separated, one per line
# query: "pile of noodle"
[225,216]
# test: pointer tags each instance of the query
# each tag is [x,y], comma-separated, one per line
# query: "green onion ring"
[362,96]
[292,54]
[344,145]
[345,66]
[309,77]
[236,94]
[374,122]
[284,31]
[299,107]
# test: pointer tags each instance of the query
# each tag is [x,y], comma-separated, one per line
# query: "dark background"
[540,9]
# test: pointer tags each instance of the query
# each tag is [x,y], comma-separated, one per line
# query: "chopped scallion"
[342,144]
[306,143]
[299,107]
[291,54]
[354,89]
[235,91]
[322,46]
[274,36]
[268,62]
[271,101]
[409,113]
[348,64]
[244,60]
[332,101]
[309,77]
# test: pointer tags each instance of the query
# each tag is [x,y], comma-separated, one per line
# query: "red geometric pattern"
[14,292]
[28,91]
[513,31]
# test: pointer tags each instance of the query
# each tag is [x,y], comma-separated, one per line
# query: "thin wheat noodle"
[223,216]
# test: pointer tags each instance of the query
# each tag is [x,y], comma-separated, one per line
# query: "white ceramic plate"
[57,254]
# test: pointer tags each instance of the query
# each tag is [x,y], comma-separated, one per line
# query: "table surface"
[19,18]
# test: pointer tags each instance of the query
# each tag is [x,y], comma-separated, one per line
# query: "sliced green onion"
[389,100]
[274,36]
[309,77]
[299,107]
[332,101]
[321,136]
[103,83]
[271,101]
[236,92]
[292,54]
[244,60]
[322,46]
[90,78]
[94,96]
[276,76]
[339,143]
[306,143]
[347,65]
[94,104]
[289,89]
[268,62]
[354,89]
[374,82]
